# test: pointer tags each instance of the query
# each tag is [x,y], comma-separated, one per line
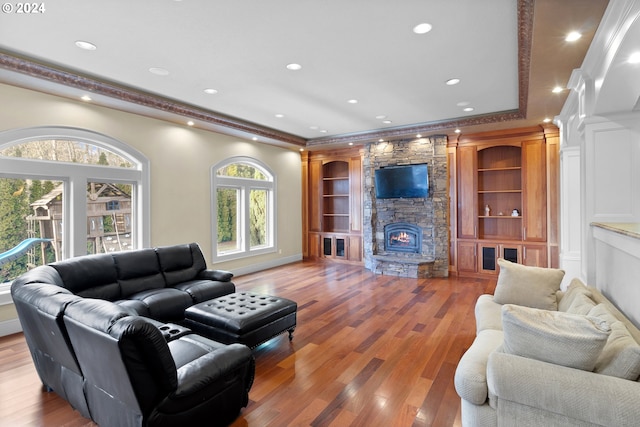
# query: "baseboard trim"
[9,327]
[267,265]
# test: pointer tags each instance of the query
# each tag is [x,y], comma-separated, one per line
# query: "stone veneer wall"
[430,213]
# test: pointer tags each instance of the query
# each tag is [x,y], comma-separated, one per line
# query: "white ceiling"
[358,49]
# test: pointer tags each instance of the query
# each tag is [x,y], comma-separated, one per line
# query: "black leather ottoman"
[243,317]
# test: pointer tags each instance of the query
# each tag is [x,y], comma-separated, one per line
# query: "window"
[51,176]
[243,208]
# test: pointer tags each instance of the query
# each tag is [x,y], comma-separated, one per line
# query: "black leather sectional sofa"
[104,334]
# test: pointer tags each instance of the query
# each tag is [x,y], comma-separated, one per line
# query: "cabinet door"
[467,202]
[467,257]
[488,257]
[355,248]
[534,186]
[315,195]
[511,252]
[355,192]
[534,255]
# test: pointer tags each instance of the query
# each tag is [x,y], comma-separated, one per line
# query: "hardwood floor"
[368,351]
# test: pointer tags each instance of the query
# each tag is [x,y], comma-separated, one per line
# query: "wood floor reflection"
[368,351]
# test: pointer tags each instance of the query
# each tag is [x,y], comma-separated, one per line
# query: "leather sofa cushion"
[92,276]
[204,290]
[138,271]
[166,304]
[180,263]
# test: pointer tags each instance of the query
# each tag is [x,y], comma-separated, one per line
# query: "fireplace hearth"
[403,237]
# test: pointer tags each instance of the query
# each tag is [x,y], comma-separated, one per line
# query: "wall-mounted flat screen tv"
[402,181]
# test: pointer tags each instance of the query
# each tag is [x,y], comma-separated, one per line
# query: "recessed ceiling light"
[158,71]
[557,89]
[462,104]
[381,116]
[85,98]
[422,28]
[547,120]
[313,127]
[85,45]
[302,149]
[386,122]
[294,67]
[452,82]
[255,138]
[323,131]
[279,116]
[634,58]
[190,123]
[573,36]
[418,136]
[457,131]
[468,109]
[351,143]
[352,101]
[210,91]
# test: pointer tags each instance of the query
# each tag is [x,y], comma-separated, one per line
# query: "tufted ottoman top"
[240,312]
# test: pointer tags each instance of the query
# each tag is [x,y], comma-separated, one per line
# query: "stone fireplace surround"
[430,213]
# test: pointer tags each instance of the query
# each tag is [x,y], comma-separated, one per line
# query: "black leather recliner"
[40,307]
[135,377]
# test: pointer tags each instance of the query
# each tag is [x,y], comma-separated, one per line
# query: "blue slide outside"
[21,249]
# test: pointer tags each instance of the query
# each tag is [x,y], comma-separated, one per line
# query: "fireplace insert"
[403,237]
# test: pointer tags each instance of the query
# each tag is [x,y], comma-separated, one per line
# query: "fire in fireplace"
[403,237]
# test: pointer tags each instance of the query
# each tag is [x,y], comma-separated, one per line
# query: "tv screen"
[402,181]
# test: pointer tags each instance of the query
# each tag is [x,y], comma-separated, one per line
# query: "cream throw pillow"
[534,287]
[621,354]
[581,304]
[576,289]
[555,337]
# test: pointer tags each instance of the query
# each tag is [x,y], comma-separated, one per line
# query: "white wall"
[600,160]
[180,160]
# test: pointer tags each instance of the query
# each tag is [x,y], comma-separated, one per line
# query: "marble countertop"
[631,229]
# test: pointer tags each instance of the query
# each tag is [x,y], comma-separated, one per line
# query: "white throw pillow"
[555,337]
[621,354]
[576,289]
[534,287]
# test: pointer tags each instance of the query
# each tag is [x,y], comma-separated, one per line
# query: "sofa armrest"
[212,368]
[225,372]
[580,395]
[219,275]
[470,379]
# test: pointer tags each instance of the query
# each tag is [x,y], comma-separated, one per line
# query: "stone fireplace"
[407,237]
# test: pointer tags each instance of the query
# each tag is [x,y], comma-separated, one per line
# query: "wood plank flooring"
[368,351]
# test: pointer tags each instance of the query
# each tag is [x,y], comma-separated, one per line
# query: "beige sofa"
[544,357]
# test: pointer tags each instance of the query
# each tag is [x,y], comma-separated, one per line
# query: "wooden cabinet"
[333,214]
[467,161]
[534,198]
[501,211]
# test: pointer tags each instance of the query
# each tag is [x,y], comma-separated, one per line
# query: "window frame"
[76,176]
[244,185]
